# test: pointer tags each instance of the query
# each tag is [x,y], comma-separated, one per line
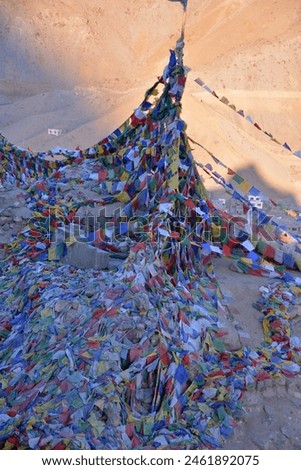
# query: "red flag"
[189,203]
[226,250]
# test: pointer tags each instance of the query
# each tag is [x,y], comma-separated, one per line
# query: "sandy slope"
[82,67]
[241,146]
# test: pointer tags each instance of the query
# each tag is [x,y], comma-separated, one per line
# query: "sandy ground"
[271,410]
[83,68]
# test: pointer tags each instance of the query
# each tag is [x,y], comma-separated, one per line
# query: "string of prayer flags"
[249,118]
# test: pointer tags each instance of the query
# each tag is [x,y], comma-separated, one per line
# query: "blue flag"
[184,2]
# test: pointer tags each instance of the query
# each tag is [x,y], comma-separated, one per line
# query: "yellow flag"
[52,253]
[122,197]
[173,167]
[245,186]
